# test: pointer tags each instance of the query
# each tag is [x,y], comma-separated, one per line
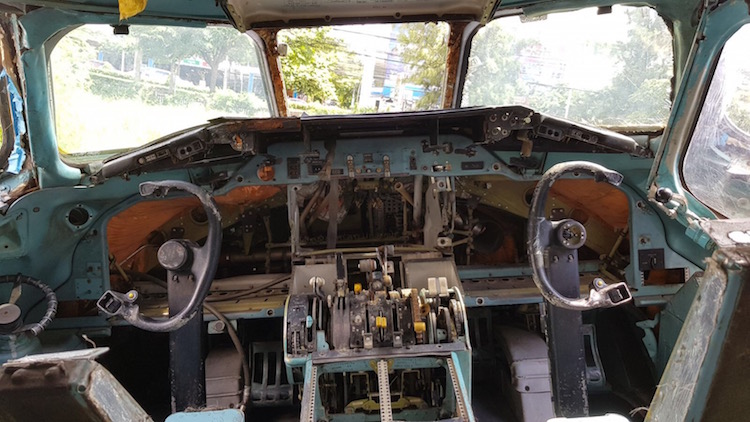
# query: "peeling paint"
[452,60]
[271,51]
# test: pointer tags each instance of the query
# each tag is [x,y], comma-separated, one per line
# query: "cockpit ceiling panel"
[265,13]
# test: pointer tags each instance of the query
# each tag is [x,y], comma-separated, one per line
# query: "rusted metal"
[452,60]
[271,50]
[489,11]
[277,124]
[73,386]
[574,195]
[130,229]
[8,52]
[727,397]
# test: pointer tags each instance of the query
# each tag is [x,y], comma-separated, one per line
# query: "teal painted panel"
[227,415]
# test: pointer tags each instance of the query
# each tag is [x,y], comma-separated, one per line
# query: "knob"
[174,255]
[571,234]
[663,195]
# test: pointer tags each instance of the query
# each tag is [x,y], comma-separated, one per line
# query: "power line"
[320,43]
[384,37]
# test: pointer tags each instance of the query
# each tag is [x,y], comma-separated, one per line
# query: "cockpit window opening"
[113,92]
[354,69]
[611,69]
[716,168]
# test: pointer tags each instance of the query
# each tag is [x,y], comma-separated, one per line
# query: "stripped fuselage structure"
[401,266]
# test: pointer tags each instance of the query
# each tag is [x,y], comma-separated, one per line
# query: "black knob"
[571,234]
[174,255]
[663,195]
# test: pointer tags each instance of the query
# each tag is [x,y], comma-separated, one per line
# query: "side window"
[716,169]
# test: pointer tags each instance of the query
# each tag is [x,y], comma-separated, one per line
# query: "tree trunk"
[173,77]
[137,64]
[225,80]
[213,77]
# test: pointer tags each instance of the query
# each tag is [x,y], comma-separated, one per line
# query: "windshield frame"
[40,25]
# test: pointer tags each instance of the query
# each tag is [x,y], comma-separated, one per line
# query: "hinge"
[675,206]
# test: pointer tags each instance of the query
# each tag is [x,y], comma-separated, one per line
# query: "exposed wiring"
[366,250]
[313,203]
[147,277]
[45,297]
[88,340]
[637,410]
[249,292]
[118,267]
[237,295]
[135,252]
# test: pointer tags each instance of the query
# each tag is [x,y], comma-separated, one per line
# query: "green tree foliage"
[310,64]
[219,44]
[166,46]
[320,66]
[424,50]
[116,47]
[128,111]
[493,75]
[170,45]
[346,78]
[639,93]
[739,109]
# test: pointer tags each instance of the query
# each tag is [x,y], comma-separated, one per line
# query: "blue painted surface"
[37,221]
[53,234]
[227,415]
[18,155]
[671,321]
